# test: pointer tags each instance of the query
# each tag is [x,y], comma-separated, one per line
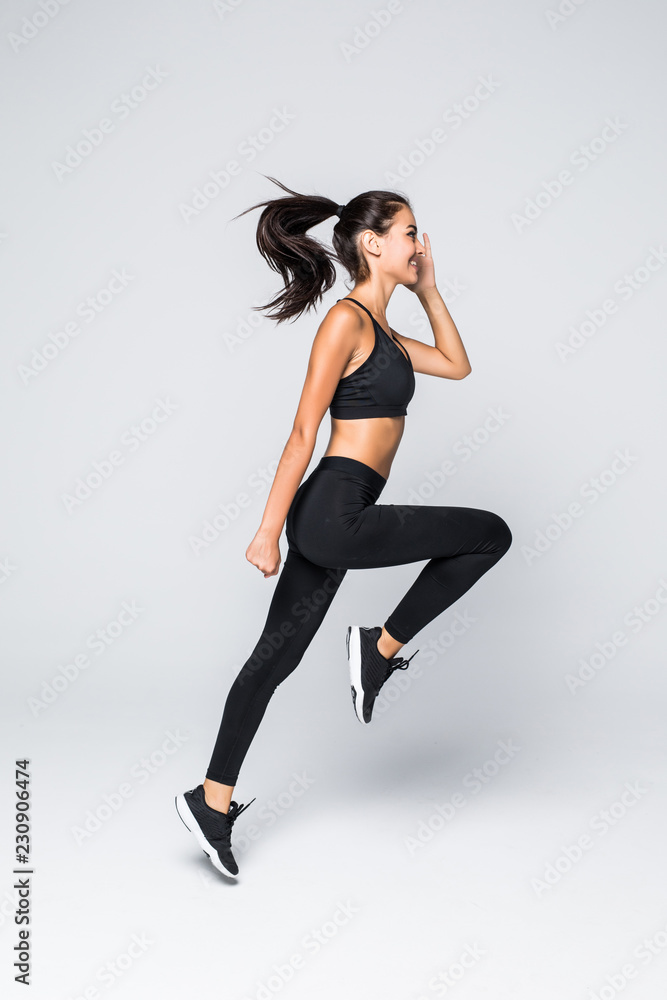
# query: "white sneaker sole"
[353,642]
[191,824]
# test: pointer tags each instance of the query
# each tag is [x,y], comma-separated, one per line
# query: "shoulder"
[346,313]
[340,327]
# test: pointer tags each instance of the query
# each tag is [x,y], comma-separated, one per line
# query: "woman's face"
[400,248]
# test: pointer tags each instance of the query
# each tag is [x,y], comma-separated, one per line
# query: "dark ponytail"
[304,263]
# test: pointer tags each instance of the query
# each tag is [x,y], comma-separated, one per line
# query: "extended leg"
[302,597]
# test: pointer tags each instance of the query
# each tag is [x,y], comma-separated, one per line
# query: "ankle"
[387,646]
[217,796]
[216,804]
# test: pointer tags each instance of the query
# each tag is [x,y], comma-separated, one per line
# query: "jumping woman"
[362,371]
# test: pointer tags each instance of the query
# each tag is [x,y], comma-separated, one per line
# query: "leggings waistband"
[355,468]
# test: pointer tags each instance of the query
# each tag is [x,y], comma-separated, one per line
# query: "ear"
[370,242]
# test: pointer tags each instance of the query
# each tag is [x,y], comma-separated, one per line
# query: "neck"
[374,296]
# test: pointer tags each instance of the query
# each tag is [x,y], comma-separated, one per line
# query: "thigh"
[392,534]
[334,526]
[302,593]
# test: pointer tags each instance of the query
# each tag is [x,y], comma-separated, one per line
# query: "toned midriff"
[372,440]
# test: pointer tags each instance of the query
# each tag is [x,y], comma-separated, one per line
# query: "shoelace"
[235,810]
[398,663]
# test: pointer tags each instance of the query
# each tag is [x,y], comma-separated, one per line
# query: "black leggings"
[334,524]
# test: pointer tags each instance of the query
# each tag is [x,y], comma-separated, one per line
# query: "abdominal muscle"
[371,440]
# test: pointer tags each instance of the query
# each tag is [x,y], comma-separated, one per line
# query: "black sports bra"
[382,385]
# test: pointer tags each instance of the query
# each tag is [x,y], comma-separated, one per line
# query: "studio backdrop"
[495,832]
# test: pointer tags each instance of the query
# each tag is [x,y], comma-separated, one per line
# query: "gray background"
[183,331]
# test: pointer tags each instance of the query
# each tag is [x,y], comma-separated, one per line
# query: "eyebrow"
[411,226]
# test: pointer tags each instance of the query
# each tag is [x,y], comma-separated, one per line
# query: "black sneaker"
[212,829]
[368,668]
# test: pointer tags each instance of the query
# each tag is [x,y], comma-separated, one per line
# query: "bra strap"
[375,323]
[350,299]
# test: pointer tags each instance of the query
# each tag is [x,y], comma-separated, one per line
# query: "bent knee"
[496,531]
[501,533]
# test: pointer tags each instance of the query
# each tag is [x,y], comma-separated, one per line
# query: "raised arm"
[333,346]
[448,359]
